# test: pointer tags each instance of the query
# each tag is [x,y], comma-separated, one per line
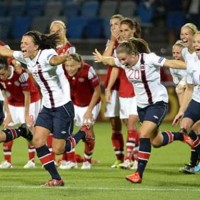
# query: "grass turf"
[161,178]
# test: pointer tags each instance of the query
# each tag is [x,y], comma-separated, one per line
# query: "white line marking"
[108,188]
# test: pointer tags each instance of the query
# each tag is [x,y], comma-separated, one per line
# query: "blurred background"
[88,27]
[88,21]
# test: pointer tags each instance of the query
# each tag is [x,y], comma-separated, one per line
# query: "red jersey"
[16,84]
[109,69]
[82,85]
[2,43]
[64,48]
[125,86]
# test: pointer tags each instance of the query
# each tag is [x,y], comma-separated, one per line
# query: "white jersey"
[187,56]
[177,75]
[51,79]
[193,77]
[146,79]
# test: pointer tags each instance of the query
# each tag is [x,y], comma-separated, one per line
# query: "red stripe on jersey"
[143,155]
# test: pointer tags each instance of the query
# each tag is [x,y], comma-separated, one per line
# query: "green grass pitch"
[161,179]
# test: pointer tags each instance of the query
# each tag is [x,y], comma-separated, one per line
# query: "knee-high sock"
[49,144]
[13,133]
[7,150]
[131,142]
[169,137]
[118,145]
[194,153]
[88,152]
[31,152]
[47,160]
[143,154]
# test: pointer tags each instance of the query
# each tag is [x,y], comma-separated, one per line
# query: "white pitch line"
[165,189]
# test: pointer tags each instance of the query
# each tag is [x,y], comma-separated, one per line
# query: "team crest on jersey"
[81,80]
[16,83]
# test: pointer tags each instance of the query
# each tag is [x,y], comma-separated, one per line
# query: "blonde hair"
[117,16]
[58,22]
[192,27]
[179,43]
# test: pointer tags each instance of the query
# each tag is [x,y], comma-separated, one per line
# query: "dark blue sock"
[77,137]
[46,159]
[143,154]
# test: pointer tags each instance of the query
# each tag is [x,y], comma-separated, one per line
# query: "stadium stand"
[71,9]
[90,8]
[5,27]
[76,26]
[53,8]
[93,28]
[16,9]
[127,8]
[40,23]
[108,8]
[20,25]
[34,8]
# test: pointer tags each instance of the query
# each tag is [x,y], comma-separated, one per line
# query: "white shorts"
[80,111]
[17,113]
[112,108]
[128,106]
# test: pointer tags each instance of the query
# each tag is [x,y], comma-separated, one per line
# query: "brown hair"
[132,23]
[141,45]
[44,41]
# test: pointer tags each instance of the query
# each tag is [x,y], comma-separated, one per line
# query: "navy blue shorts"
[60,120]
[154,113]
[193,111]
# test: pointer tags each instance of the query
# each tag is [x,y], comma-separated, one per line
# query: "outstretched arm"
[98,57]
[4,51]
[176,64]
